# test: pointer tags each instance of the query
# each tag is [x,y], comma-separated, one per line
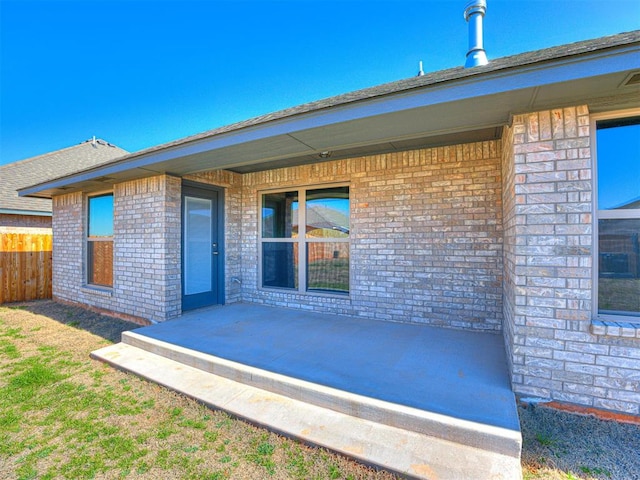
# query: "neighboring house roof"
[452,106]
[319,217]
[632,204]
[46,167]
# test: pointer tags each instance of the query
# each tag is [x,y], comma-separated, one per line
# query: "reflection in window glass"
[618,164]
[618,263]
[280,215]
[619,267]
[318,259]
[100,263]
[100,240]
[197,224]
[328,267]
[101,216]
[327,213]
[280,264]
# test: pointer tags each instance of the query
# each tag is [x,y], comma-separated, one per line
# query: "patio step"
[407,452]
[407,440]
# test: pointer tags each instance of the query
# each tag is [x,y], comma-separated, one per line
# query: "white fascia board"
[492,83]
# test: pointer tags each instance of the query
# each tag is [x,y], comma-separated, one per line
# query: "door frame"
[190,188]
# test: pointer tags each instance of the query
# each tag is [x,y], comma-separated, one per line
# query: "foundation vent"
[633,79]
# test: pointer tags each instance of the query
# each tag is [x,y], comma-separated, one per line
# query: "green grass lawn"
[331,275]
[619,294]
[63,415]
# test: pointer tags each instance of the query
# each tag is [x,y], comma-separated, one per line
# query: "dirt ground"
[556,445]
[560,445]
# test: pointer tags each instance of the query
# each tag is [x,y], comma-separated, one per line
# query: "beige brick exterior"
[493,236]
[548,192]
[426,236]
[146,271]
[24,221]
[426,241]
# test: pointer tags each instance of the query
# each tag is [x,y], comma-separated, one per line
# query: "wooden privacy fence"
[25,266]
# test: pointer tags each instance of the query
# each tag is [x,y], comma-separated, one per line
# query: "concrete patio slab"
[445,389]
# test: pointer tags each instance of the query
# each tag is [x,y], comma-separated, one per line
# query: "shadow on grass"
[106,327]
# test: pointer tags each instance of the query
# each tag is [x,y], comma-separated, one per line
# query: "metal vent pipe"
[474,14]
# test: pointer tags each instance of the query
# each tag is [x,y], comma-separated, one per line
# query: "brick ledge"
[94,290]
[615,329]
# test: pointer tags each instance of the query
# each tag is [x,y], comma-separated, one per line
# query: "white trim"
[605,214]
[302,234]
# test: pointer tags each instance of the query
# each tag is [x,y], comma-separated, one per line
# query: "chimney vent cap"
[475,6]
[474,15]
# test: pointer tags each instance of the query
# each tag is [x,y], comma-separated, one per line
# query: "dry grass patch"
[564,446]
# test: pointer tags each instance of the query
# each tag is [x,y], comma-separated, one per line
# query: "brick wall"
[426,239]
[426,235]
[467,236]
[147,232]
[26,221]
[549,270]
[146,273]
[68,246]
[510,242]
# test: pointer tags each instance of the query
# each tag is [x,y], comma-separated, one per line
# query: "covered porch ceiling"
[468,107]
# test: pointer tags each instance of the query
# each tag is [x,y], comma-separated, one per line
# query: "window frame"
[301,241]
[89,239]
[598,215]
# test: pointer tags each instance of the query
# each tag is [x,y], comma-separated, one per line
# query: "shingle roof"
[47,167]
[457,73]
[494,69]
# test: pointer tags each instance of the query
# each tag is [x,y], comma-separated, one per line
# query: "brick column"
[68,246]
[548,192]
[147,269]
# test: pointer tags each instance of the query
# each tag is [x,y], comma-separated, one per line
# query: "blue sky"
[618,151]
[141,73]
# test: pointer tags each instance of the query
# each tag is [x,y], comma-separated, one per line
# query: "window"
[618,215]
[314,258]
[100,240]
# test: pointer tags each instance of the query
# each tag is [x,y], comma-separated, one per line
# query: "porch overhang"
[451,107]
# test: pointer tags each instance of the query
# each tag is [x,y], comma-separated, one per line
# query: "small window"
[618,200]
[314,258]
[100,240]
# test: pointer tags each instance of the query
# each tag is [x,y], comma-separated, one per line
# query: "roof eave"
[464,90]
[36,213]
